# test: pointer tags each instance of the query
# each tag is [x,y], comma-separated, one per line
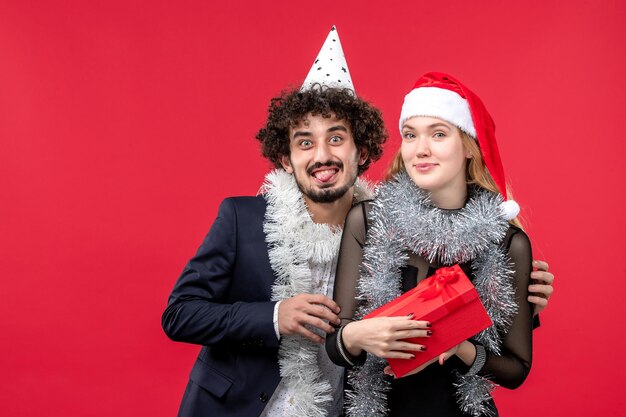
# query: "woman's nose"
[422,148]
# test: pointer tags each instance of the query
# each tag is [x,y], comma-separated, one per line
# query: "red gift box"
[450,302]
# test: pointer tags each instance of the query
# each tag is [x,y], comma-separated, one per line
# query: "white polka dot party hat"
[330,67]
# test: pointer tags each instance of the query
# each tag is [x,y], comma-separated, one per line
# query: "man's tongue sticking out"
[325,175]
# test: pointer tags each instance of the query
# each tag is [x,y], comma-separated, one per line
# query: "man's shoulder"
[244,207]
[246,201]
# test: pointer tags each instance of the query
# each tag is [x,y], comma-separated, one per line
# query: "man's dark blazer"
[222,302]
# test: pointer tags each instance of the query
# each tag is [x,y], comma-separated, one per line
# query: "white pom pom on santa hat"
[510,209]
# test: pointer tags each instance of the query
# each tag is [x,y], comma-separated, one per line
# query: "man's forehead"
[331,120]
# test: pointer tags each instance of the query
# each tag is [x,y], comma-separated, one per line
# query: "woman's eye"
[408,135]
[439,135]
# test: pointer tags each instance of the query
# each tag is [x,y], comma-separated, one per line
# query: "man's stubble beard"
[324,196]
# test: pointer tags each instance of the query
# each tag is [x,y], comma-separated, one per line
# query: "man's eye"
[305,143]
[336,139]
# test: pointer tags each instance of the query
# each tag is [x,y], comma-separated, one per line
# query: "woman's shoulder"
[516,241]
[363,206]
[357,219]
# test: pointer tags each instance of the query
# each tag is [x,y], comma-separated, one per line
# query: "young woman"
[446,203]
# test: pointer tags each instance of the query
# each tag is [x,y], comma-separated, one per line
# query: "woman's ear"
[468,152]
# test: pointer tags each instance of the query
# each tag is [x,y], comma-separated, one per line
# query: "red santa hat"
[444,97]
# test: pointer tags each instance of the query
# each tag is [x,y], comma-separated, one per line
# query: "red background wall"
[124,123]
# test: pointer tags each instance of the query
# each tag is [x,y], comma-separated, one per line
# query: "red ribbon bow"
[439,284]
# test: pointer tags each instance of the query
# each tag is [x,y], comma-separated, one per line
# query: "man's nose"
[322,152]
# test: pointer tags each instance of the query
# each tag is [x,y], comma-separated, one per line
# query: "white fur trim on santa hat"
[441,103]
[510,209]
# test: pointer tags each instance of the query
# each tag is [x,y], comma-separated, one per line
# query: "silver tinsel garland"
[403,220]
[473,394]
[294,241]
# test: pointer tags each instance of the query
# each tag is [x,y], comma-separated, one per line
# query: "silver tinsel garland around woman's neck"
[404,220]
[294,241]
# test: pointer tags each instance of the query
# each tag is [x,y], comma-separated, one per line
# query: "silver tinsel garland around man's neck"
[294,241]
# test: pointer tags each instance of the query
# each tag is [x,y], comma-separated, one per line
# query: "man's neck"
[333,214]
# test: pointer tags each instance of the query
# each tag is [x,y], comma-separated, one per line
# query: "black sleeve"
[511,368]
[346,280]
[198,310]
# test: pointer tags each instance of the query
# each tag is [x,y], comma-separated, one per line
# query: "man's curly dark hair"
[292,107]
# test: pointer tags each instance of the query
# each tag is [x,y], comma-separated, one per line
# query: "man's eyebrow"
[338,127]
[301,133]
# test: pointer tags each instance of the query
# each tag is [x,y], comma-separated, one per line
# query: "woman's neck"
[450,197]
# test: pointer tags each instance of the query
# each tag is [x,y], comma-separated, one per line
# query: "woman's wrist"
[479,362]
[348,339]
[466,352]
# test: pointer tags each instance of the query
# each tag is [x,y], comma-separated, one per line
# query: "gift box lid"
[433,298]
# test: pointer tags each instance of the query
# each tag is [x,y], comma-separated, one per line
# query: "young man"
[258,294]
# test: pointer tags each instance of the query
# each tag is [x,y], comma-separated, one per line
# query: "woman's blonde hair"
[477,173]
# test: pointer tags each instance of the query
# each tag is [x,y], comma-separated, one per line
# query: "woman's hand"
[448,354]
[384,336]
[389,371]
[464,350]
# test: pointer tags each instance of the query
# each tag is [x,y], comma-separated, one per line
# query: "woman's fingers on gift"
[447,354]
[421,324]
[413,347]
[406,322]
[416,370]
[403,350]
[388,371]
[409,334]
[397,349]
[394,354]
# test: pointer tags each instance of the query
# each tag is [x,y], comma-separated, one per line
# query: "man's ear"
[286,163]
[363,156]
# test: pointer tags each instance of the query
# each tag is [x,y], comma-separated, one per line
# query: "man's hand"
[541,289]
[312,309]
